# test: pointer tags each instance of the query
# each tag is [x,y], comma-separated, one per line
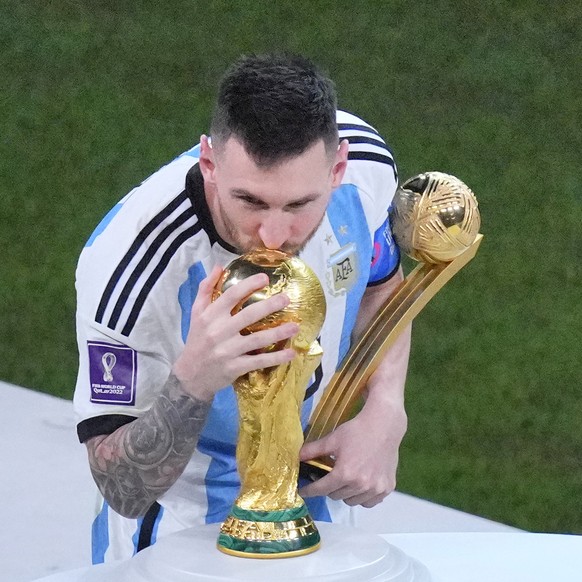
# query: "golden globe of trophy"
[269,519]
[435,220]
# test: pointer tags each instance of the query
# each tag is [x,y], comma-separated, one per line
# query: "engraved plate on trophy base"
[268,534]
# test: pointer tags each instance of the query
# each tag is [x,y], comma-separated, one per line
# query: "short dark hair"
[277,106]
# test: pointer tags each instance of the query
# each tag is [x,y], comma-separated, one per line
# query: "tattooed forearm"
[140,461]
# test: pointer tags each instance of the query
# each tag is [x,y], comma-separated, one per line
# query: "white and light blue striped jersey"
[136,281]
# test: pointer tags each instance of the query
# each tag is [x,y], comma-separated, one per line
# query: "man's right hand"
[216,353]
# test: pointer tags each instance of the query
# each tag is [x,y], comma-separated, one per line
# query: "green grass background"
[97,95]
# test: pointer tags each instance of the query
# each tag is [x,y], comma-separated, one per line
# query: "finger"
[342,493]
[367,499]
[257,311]
[206,288]
[314,449]
[374,501]
[264,360]
[242,290]
[323,486]
[267,337]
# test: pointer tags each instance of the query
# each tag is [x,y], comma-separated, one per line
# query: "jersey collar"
[195,192]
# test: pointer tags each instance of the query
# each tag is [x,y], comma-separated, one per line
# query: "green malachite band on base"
[269,547]
[281,515]
[268,534]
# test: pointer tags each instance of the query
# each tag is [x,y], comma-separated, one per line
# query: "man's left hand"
[365,449]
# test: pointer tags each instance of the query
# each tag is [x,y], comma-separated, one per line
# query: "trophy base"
[268,534]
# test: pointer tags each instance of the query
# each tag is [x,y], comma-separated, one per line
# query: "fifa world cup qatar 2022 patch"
[112,372]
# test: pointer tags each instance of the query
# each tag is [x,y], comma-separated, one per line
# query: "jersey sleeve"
[117,380]
[386,255]
[372,168]
[128,310]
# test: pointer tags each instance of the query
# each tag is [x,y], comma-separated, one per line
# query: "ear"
[340,163]
[207,160]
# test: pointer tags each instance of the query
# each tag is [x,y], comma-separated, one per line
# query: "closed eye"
[252,201]
[297,205]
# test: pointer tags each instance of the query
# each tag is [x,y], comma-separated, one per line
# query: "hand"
[216,353]
[366,453]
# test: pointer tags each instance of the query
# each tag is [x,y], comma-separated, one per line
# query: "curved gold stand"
[346,386]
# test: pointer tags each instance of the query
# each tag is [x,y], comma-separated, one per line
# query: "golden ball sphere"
[435,217]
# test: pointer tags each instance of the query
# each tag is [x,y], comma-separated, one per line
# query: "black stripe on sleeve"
[373,157]
[386,278]
[316,383]
[368,140]
[356,127]
[141,237]
[157,272]
[144,262]
[147,526]
[104,424]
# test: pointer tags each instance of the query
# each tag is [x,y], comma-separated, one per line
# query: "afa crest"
[342,271]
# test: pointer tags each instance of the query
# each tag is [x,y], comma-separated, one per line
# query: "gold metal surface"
[276,531]
[286,273]
[269,400]
[261,556]
[435,219]
[271,435]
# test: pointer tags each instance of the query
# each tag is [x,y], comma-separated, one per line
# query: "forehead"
[292,178]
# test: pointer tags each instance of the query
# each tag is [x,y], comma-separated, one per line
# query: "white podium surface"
[431,557]
[346,554]
[50,498]
[46,487]
[495,557]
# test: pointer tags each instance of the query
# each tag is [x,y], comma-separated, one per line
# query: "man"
[157,356]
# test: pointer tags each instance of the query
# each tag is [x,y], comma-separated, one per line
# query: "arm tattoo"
[141,460]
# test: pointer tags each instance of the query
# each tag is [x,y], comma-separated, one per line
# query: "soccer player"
[281,169]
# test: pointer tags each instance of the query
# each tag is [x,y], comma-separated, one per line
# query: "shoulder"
[371,166]
[366,144]
[154,196]
[142,245]
[346,120]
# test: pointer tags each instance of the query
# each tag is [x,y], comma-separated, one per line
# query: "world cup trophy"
[269,519]
[435,220]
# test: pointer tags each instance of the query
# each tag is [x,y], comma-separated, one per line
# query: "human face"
[274,207]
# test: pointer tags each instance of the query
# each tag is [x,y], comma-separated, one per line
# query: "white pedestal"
[450,557]
[345,554]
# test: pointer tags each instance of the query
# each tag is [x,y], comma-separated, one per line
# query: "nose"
[274,230]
